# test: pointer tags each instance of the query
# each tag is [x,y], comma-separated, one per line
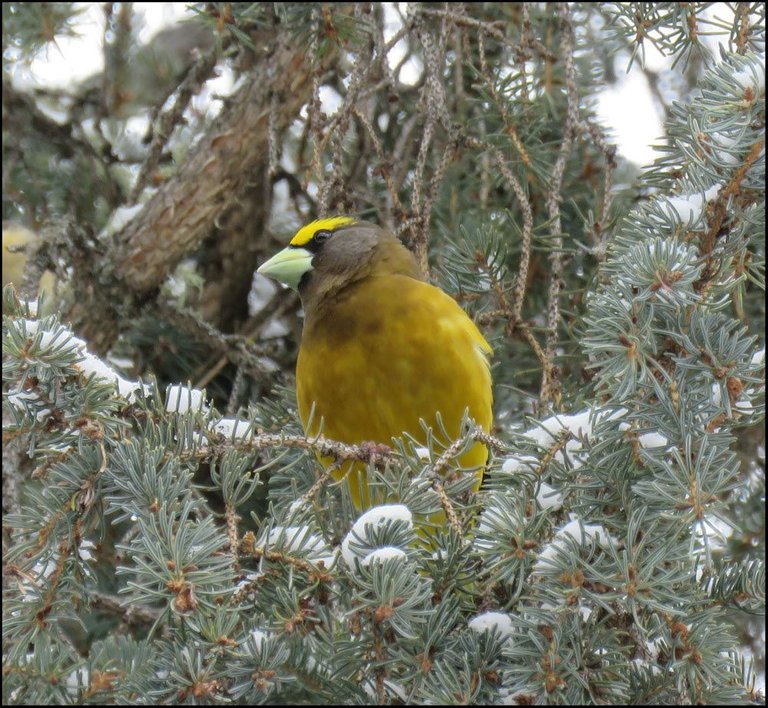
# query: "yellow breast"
[387,352]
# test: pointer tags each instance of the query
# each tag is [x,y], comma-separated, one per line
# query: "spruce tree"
[169,535]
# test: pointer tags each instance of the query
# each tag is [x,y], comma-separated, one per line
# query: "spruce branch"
[205,185]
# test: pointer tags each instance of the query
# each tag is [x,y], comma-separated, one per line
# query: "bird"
[381,349]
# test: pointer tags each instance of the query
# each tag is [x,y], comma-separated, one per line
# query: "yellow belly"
[391,351]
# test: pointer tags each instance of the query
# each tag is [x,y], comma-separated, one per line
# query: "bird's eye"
[322,236]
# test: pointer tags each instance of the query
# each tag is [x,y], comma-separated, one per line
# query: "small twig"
[198,73]
[491,28]
[131,613]
[719,212]
[384,168]
[315,118]
[527,211]
[741,26]
[489,440]
[588,127]
[444,460]
[544,360]
[550,385]
[435,472]
[501,105]
[445,502]
[238,347]
[232,519]
[300,563]
[259,552]
[340,451]
[322,481]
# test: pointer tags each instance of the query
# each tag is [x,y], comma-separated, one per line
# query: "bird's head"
[327,255]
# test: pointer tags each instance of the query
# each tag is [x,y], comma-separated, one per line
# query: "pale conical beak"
[288,266]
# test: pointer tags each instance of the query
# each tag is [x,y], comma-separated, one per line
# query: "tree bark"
[228,162]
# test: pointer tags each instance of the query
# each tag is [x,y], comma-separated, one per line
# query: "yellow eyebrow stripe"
[305,233]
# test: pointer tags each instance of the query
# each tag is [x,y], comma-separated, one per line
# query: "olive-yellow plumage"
[381,349]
